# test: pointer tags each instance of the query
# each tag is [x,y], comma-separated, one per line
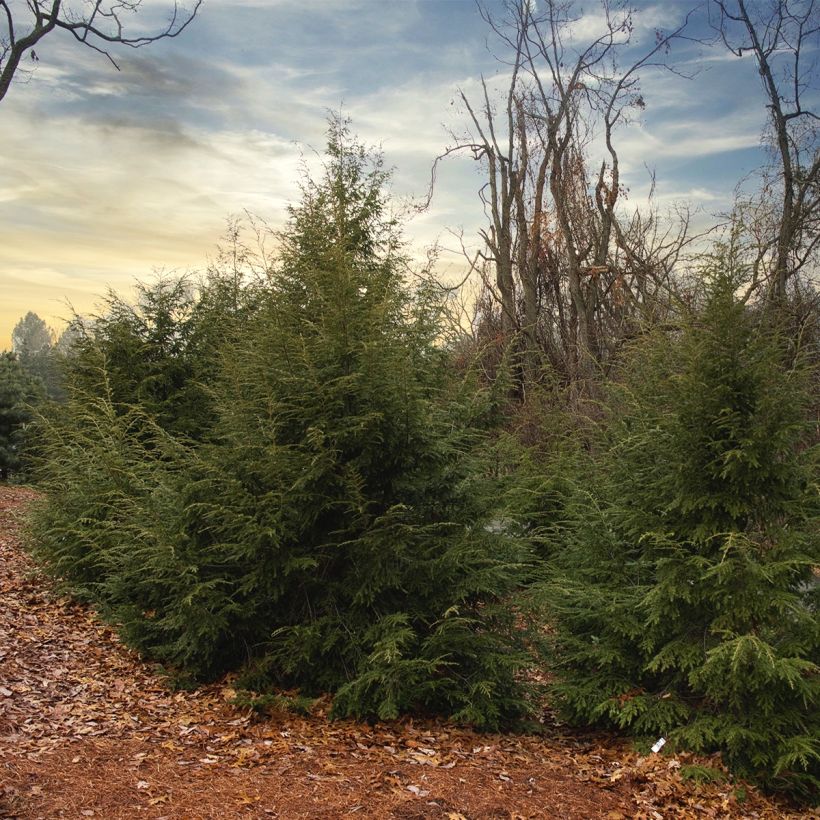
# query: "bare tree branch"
[572,274]
[98,26]
[776,35]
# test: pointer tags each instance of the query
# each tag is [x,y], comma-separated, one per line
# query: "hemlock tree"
[154,354]
[343,484]
[683,594]
[137,351]
[328,534]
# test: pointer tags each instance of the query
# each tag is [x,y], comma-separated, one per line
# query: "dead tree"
[569,265]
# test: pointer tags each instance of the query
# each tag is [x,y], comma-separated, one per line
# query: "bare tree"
[783,36]
[99,25]
[571,269]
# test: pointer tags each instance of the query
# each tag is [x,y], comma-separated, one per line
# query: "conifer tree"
[348,476]
[32,340]
[137,353]
[327,532]
[18,393]
[683,594]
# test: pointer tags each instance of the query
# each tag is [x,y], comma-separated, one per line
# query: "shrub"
[683,592]
[327,531]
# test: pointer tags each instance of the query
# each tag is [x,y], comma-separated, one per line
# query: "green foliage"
[137,355]
[161,353]
[33,343]
[683,586]
[265,704]
[18,393]
[702,774]
[319,521]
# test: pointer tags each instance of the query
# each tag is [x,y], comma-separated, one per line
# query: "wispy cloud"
[106,175]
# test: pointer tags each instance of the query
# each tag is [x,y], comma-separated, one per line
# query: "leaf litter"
[89,729]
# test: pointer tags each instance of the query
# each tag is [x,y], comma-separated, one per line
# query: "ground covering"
[87,729]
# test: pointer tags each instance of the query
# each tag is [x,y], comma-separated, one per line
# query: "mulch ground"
[88,729]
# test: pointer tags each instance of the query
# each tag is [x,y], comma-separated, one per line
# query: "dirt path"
[87,730]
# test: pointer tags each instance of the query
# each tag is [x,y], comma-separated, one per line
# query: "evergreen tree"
[31,336]
[137,352]
[350,503]
[328,529]
[683,597]
[160,353]
[32,341]
[71,335]
[18,393]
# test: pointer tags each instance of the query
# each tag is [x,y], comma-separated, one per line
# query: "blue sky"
[106,176]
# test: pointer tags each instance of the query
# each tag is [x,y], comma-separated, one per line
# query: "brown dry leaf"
[418,791]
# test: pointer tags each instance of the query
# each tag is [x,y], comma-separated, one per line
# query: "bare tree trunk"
[553,237]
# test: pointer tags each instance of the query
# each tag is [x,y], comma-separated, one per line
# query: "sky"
[109,176]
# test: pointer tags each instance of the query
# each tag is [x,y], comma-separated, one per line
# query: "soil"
[89,729]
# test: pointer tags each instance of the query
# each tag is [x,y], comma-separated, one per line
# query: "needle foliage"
[684,597]
[327,527]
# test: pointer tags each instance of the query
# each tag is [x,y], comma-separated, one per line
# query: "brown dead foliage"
[87,729]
